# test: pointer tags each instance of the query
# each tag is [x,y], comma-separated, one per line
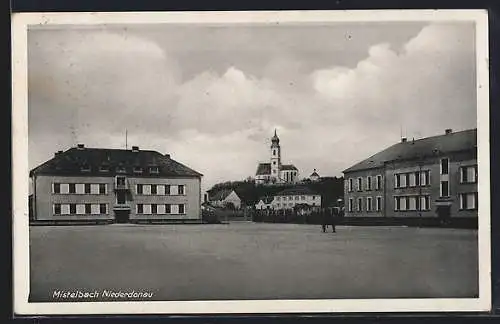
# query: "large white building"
[275,171]
[290,199]
[111,185]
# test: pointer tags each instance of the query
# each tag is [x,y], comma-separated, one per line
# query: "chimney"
[57,153]
[80,146]
[403,140]
[448,131]
[167,156]
[135,148]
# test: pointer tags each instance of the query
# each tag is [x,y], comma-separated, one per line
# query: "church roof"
[275,138]
[263,169]
[288,167]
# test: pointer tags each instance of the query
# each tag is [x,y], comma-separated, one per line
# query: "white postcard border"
[20,22]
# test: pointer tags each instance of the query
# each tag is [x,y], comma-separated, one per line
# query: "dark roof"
[288,167]
[263,168]
[296,191]
[314,174]
[70,163]
[221,194]
[266,200]
[417,149]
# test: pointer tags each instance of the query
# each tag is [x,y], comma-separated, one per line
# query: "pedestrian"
[324,221]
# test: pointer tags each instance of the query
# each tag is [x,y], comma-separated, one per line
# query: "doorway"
[444,213]
[122,216]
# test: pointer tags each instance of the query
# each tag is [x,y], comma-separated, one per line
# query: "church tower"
[275,157]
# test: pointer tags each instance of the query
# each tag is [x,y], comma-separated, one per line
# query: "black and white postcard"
[251,162]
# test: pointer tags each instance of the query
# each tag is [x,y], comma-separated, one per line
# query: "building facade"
[111,185]
[430,177]
[275,171]
[224,197]
[290,199]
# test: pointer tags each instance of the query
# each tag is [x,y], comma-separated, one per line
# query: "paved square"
[254,261]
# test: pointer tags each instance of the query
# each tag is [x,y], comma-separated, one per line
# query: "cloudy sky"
[211,96]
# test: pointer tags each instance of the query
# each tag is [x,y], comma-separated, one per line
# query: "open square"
[244,260]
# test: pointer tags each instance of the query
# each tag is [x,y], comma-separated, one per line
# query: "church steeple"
[275,156]
[275,139]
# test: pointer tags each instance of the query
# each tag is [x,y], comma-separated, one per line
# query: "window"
[72,188]
[80,188]
[444,166]
[56,188]
[314,197]
[140,208]
[120,169]
[360,184]
[468,174]
[397,204]
[94,188]
[296,197]
[468,201]
[167,189]
[146,189]
[274,152]
[350,207]
[154,170]
[181,208]
[88,209]
[360,204]
[57,209]
[102,188]
[368,203]
[378,204]
[274,171]
[153,190]
[412,203]
[378,185]
[154,209]
[424,203]
[403,179]
[72,209]
[85,168]
[138,169]
[65,209]
[180,190]
[274,162]
[445,190]
[424,178]
[168,210]
[139,189]
[350,185]
[397,181]
[103,209]
[64,188]
[302,197]
[368,183]
[104,168]
[412,182]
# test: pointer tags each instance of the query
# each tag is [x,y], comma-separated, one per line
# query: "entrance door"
[444,213]
[122,216]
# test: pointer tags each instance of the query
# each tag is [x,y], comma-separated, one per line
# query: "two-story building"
[115,185]
[429,177]
[291,198]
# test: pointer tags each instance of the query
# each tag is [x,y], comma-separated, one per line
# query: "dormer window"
[154,169]
[104,168]
[85,167]
[137,169]
[120,169]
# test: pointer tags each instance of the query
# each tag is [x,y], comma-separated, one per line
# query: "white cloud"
[102,83]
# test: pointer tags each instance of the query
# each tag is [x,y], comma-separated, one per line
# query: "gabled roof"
[70,163]
[263,169]
[314,174]
[296,191]
[221,194]
[421,148]
[266,200]
[288,167]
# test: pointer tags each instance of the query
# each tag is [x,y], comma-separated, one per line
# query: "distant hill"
[330,189]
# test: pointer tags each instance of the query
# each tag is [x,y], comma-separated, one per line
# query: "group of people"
[328,219]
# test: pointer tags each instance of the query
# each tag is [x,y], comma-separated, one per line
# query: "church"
[274,172]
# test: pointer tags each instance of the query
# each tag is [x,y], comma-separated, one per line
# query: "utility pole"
[126,143]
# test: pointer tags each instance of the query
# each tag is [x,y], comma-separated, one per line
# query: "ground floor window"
[378,204]
[350,204]
[160,209]
[468,201]
[80,209]
[411,203]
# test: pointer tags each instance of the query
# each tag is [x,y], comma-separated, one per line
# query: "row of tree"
[330,188]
